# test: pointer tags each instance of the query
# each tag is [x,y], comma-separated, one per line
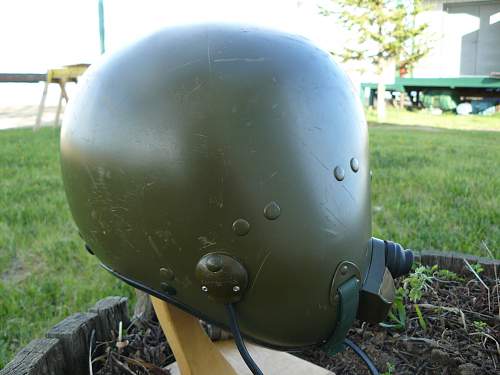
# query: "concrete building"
[463,65]
[467,39]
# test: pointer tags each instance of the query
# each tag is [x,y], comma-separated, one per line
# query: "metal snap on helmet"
[219,164]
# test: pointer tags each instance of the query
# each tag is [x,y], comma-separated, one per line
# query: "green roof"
[453,82]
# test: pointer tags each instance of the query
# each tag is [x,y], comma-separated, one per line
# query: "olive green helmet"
[217,164]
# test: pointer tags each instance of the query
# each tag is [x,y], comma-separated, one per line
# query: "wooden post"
[194,352]
[64,95]
[58,113]
[197,355]
[42,105]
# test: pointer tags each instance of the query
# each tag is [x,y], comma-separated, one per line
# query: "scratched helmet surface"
[215,164]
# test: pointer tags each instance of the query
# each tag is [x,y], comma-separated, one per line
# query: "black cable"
[356,349]
[235,330]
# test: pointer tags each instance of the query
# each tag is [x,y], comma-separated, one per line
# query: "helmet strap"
[348,306]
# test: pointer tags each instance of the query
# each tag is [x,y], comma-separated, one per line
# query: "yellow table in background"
[68,73]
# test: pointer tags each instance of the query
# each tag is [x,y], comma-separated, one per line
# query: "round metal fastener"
[167,273]
[344,269]
[241,227]
[236,288]
[344,272]
[219,285]
[214,264]
[339,173]
[272,211]
[354,164]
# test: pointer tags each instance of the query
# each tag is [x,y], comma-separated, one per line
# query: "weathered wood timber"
[66,348]
[39,357]
[454,261]
[23,77]
[74,334]
[110,311]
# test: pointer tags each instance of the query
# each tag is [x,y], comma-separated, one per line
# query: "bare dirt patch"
[16,272]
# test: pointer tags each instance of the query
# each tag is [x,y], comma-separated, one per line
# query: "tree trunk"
[382,68]
[380,99]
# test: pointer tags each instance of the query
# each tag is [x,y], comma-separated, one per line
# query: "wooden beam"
[193,350]
[271,362]
[197,355]
[23,77]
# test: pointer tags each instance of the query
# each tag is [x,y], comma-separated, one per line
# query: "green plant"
[480,326]
[421,278]
[390,369]
[397,313]
[418,282]
[421,320]
[447,275]
[477,267]
[414,285]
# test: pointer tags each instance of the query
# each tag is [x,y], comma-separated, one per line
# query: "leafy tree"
[385,32]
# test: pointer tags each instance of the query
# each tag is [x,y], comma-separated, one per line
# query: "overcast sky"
[36,35]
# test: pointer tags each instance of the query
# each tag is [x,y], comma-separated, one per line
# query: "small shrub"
[477,268]
[418,282]
[480,326]
[448,275]
[390,369]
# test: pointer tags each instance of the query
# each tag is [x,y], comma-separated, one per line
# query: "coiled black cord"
[235,330]
[360,352]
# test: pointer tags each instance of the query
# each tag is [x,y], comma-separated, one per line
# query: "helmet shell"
[172,140]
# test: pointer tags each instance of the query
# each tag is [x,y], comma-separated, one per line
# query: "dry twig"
[497,282]
[455,310]
[487,336]
[91,371]
[480,280]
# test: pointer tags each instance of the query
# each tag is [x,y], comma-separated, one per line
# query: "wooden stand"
[69,73]
[196,354]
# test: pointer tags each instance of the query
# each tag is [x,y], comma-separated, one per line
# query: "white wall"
[450,33]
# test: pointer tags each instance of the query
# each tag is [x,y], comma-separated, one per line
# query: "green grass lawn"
[45,273]
[444,121]
[432,188]
[435,188]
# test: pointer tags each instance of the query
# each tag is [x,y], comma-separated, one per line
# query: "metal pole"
[101,25]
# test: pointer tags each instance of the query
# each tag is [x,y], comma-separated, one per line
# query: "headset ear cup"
[398,260]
